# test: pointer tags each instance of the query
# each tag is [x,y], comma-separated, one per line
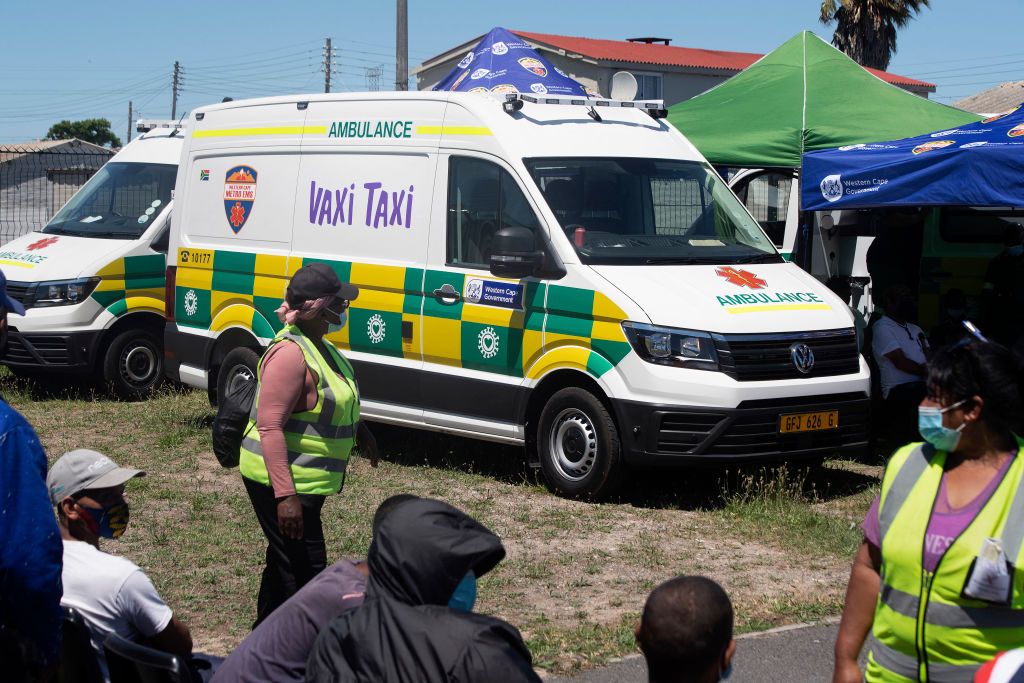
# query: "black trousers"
[900,407]
[290,564]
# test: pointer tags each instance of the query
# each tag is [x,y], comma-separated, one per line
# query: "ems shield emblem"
[534,66]
[239,195]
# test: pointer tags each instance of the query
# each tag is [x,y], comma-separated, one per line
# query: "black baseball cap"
[317,280]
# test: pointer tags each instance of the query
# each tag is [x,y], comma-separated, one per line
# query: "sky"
[62,59]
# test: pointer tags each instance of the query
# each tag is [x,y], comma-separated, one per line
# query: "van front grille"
[758,357]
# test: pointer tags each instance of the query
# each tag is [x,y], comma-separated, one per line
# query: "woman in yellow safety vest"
[305,425]
[939,578]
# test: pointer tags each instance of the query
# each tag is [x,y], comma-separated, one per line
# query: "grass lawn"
[780,541]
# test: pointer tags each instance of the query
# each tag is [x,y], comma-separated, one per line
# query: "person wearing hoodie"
[416,622]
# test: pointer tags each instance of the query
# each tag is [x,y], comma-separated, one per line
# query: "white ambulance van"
[576,279]
[92,280]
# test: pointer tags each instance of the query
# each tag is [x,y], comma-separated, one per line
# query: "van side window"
[482,199]
[767,198]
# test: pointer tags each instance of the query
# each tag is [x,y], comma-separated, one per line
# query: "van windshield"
[649,211]
[120,202]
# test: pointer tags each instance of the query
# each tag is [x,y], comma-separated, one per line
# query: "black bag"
[229,427]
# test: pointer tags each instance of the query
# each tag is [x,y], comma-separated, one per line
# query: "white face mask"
[336,327]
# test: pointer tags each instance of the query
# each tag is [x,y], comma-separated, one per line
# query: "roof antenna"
[177,127]
[592,113]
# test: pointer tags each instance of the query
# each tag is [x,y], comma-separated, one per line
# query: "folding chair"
[77,661]
[130,662]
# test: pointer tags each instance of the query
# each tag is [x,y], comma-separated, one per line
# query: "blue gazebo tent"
[505,63]
[978,164]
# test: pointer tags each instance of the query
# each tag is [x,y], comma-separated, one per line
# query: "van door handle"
[446,294]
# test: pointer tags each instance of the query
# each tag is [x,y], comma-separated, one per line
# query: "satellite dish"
[623,86]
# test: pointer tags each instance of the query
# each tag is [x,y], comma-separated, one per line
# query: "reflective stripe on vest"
[905,666]
[924,628]
[318,440]
[315,462]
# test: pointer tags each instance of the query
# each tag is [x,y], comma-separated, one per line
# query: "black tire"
[578,445]
[133,364]
[240,363]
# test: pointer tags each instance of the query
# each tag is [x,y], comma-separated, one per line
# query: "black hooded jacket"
[404,632]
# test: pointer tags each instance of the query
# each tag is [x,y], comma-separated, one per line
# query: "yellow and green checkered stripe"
[132,283]
[576,327]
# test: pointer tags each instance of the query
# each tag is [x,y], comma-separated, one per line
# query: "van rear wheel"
[578,444]
[239,366]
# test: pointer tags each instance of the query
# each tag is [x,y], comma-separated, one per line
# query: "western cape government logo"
[239,195]
[467,60]
[499,48]
[832,187]
[533,65]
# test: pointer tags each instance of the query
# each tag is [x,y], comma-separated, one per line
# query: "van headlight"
[671,346]
[63,292]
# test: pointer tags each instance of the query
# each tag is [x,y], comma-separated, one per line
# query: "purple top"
[945,524]
[276,651]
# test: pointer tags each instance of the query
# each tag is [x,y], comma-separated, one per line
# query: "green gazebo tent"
[802,96]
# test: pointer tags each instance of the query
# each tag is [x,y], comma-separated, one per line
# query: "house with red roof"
[663,71]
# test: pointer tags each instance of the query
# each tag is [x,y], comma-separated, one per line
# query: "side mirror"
[514,253]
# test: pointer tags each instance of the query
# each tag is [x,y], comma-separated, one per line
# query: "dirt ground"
[576,574]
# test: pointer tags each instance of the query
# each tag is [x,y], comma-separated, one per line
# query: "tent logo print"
[499,48]
[467,60]
[832,187]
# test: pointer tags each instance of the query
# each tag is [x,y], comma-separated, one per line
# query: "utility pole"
[129,121]
[175,87]
[328,57]
[402,46]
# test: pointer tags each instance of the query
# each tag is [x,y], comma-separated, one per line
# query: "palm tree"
[866,29]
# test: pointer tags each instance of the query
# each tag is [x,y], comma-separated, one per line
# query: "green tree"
[866,29]
[96,131]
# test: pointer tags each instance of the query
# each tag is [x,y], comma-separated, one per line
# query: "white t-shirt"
[889,335]
[113,595]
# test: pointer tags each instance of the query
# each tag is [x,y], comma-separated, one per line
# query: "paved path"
[791,653]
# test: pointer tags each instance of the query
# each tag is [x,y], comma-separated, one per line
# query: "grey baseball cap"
[83,469]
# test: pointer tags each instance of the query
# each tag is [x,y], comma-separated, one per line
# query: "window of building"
[482,199]
[648,86]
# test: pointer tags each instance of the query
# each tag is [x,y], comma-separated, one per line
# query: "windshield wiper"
[110,233]
[760,258]
[690,260]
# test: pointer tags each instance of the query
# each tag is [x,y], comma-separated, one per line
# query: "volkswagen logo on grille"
[803,357]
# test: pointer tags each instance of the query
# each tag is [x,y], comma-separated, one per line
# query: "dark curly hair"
[984,369]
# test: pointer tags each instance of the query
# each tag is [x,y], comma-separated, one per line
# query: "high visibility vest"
[924,628]
[319,440]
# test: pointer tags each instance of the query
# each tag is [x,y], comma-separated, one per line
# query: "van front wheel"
[133,365]
[578,444]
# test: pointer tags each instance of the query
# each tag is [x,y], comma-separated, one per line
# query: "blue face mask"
[464,596]
[333,328]
[929,424]
[1016,250]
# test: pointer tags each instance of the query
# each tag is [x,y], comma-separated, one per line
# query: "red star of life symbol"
[741,278]
[42,244]
[237,214]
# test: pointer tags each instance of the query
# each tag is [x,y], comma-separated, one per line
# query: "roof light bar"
[146,125]
[514,102]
